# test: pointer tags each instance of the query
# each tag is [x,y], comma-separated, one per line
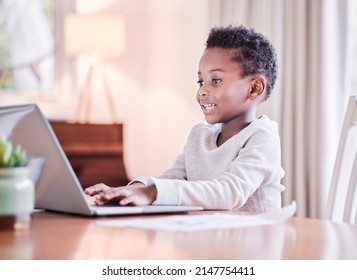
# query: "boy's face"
[223,93]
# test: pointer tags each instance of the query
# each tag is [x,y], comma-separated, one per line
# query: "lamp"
[98,37]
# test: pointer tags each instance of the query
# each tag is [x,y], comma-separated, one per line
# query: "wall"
[154,83]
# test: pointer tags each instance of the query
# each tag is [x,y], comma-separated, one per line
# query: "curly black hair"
[254,51]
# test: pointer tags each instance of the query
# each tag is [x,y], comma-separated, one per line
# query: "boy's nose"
[202,92]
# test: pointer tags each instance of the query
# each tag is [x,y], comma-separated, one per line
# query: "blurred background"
[135,63]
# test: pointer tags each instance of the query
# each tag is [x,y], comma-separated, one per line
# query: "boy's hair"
[255,52]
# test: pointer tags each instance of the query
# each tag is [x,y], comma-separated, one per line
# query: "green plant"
[12,156]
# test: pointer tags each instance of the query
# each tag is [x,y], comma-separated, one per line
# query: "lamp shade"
[100,34]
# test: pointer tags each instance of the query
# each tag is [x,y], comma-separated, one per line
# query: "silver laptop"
[57,187]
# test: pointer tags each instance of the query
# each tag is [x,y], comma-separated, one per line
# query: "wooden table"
[59,236]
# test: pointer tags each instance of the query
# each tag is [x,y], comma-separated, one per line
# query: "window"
[27,51]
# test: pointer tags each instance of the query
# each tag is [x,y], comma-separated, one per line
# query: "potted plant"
[16,189]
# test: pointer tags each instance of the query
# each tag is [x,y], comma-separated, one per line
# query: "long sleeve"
[244,173]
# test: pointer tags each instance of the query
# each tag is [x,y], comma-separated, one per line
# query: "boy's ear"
[258,86]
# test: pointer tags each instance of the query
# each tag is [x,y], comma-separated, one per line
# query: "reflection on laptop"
[57,187]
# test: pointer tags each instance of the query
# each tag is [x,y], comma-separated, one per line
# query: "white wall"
[154,84]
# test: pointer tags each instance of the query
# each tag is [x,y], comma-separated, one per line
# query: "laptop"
[57,187]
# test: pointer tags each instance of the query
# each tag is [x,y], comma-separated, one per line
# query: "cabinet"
[95,151]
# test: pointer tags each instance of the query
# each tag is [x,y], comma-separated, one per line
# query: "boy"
[234,160]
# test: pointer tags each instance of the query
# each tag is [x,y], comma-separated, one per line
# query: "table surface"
[61,236]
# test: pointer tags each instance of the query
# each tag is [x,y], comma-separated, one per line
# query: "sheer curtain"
[310,95]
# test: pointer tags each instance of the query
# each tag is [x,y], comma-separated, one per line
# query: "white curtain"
[310,95]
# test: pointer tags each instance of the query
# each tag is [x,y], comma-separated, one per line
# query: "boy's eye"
[216,81]
[200,83]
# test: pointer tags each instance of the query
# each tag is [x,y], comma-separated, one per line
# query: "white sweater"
[243,173]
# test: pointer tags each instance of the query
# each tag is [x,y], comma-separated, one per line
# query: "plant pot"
[17,198]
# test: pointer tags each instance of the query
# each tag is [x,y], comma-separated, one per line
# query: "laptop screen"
[57,187]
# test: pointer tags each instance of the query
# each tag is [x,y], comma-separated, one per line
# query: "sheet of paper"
[205,221]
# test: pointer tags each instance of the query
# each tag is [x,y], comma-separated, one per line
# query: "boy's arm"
[177,171]
[258,164]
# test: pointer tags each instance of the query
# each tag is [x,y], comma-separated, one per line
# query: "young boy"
[234,160]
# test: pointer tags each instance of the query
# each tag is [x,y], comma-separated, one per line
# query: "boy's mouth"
[208,107]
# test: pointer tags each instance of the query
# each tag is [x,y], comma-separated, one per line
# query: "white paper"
[204,221]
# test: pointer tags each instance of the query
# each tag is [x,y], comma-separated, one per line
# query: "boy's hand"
[135,194]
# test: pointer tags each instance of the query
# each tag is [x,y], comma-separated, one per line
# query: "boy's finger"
[116,193]
[126,201]
[96,189]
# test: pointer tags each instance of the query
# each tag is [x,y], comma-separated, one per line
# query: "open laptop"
[57,187]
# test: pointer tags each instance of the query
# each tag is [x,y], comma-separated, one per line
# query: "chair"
[342,198]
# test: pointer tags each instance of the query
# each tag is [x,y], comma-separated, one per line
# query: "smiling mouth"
[208,107]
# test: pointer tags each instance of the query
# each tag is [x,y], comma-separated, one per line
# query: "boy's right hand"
[92,191]
[98,188]
[135,194]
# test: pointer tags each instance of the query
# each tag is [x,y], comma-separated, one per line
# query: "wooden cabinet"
[95,151]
